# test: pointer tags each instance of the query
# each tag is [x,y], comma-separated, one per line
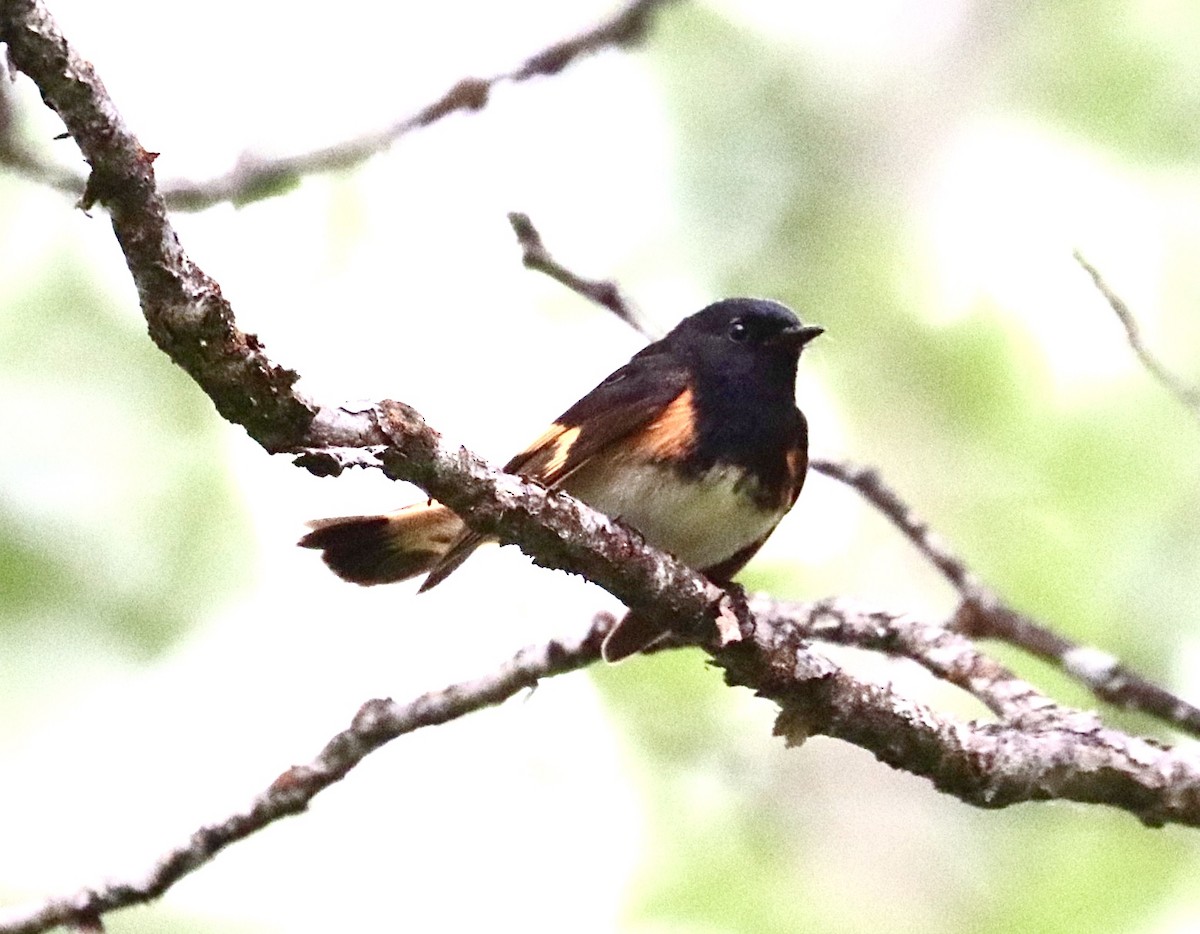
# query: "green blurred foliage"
[1125,75]
[708,829]
[1084,515]
[1074,869]
[119,527]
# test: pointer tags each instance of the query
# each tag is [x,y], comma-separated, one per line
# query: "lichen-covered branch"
[193,323]
[185,311]
[1064,755]
[1036,751]
[982,614]
[947,655]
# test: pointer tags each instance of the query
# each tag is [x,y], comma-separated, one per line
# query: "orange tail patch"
[386,548]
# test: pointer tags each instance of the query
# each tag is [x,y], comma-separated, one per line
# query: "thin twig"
[17,157]
[989,764]
[254,178]
[1039,751]
[867,482]
[984,615]
[377,722]
[1187,395]
[604,292]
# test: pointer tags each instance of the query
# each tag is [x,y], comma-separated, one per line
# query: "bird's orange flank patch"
[673,433]
[797,464]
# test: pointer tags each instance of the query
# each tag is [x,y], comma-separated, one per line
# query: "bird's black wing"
[649,396]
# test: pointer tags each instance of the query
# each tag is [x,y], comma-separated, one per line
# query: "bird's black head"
[738,336]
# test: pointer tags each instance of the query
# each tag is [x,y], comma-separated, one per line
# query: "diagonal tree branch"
[947,655]
[192,322]
[1187,395]
[1036,751]
[187,315]
[982,614]
[376,723]
[604,292]
[1064,755]
[255,178]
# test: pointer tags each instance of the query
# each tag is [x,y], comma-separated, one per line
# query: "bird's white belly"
[702,521]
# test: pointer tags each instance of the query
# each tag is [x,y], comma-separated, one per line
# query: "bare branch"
[947,655]
[868,483]
[15,155]
[254,178]
[187,315]
[604,292]
[376,723]
[1188,396]
[23,162]
[1068,755]
[193,323]
[1106,676]
[984,615]
[1039,751]
[87,924]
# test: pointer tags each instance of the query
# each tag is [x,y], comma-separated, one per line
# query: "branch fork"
[1034,749]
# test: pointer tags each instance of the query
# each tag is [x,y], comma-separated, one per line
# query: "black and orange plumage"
[696,442]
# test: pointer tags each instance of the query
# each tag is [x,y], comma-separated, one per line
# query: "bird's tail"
[428,538]
[386,548]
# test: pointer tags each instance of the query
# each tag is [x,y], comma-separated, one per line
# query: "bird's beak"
[808,333]
[799,336]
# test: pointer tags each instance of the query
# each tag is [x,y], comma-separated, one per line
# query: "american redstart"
[696,442]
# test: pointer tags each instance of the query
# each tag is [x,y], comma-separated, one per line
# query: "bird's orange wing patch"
[647,413]
[548,459]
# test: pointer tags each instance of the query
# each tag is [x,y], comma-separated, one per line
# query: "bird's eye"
[738,331]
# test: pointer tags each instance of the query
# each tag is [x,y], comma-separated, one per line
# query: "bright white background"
[402,280]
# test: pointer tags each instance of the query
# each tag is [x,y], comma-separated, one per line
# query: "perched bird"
[696,442]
